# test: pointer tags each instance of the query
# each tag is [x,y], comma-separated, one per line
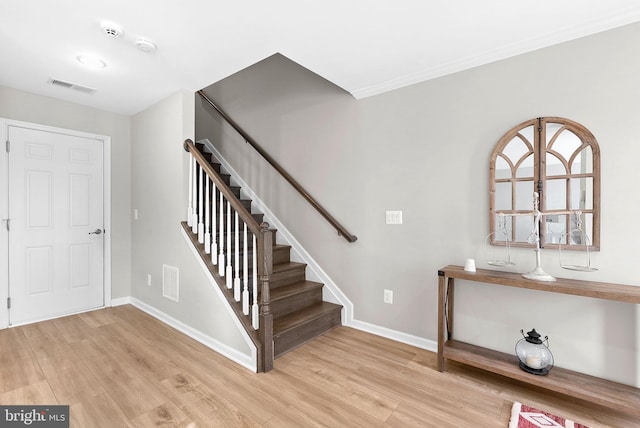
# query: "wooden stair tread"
[294,319]
[284,267]
[293,289]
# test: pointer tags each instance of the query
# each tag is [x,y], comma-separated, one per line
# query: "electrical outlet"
[388,296]
[135,214]
[149,279]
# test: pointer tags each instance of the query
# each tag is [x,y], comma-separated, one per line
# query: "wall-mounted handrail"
[340,229]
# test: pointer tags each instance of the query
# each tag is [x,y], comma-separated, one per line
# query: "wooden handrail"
[339,228]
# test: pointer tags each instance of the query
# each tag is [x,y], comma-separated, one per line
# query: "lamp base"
[539,275]
[539,372]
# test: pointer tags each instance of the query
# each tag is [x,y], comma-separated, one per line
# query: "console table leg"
[448,297]
[441,320]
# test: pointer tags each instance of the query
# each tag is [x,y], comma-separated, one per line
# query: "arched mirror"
[560,160]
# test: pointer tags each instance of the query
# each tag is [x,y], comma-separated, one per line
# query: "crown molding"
[604,23]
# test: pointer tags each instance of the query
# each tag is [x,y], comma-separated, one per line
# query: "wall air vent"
[170,283]
[74,86]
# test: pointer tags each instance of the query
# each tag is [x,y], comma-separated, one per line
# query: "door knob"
[96,232]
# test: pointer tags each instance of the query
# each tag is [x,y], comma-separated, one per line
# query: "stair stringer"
[330,292]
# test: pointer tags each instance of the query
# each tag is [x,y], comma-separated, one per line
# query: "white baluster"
[190,207]
[221,237]
[245,272]
[255,316]
[229,272]
[194,219]
[236,262]
[207,215]
[214,240]
[200,208]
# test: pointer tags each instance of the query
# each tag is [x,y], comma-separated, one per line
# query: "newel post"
[265,268]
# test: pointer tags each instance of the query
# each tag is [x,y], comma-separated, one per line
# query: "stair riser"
[216,167]
[226,178]
[290,304]
[280,279]
[234,189]
[303,333]
[257,217]
[280,254]
[245,202]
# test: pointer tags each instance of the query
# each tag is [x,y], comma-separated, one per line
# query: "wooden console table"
[603,392]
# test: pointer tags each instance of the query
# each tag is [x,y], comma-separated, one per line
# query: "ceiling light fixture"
[91,61]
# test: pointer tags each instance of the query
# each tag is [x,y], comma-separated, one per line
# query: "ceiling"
[366,47]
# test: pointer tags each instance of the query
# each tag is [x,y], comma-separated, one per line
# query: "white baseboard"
[244,360]
[121,301]
[398,336]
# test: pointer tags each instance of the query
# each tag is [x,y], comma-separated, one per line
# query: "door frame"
[4,198]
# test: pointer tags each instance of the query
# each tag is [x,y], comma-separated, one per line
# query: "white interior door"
[56,240]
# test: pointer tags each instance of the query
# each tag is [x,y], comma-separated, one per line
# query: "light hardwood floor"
[119,367]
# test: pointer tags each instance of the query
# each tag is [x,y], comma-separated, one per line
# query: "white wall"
[148,172]
[23,106]
[425,150]
[158,192]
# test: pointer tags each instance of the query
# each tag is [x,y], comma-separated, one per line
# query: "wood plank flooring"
[119,367]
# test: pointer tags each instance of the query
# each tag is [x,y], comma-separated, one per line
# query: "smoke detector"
[111,30]
[145,45]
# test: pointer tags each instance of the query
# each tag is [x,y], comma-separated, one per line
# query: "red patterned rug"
[523,416]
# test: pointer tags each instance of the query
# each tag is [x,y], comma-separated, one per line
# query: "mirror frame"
[539,148]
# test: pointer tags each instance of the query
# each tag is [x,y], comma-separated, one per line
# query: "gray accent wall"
[425,150]
[159,193]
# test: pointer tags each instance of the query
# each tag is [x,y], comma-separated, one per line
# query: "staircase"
[299,313]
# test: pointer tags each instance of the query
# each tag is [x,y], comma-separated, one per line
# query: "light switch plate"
[388,296]
[394,217]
